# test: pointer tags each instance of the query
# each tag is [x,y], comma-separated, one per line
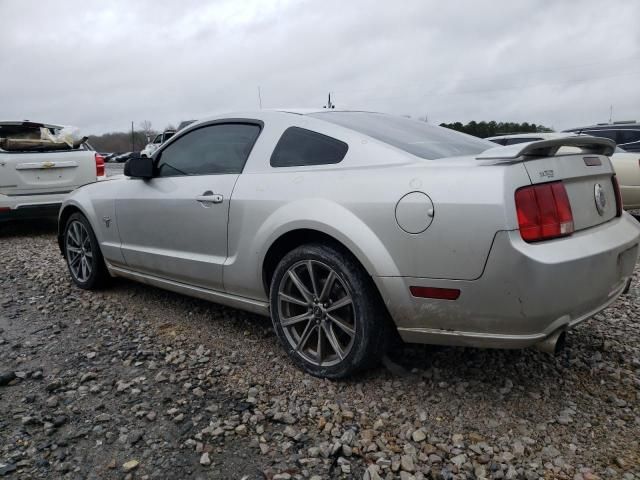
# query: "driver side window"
[211,150]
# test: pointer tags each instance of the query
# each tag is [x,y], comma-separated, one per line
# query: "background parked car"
[151,147]
[39,167]
[625,133]
[626,164]
[122,157]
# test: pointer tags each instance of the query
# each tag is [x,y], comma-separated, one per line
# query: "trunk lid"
[581,163]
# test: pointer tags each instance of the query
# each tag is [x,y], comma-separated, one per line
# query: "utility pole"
[133,147]
[610,113]
[329,104]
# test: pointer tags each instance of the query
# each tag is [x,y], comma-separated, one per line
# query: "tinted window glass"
[628,136]
[419,138]
[514,141]
[300,147]
[610,134]
[215,149]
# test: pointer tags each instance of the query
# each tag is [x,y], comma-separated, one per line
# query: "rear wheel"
[82,253]
[326,312]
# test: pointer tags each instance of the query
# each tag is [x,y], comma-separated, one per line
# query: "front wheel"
[82,253]
[326,312]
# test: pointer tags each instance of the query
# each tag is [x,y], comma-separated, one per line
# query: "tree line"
[119,142]
[125,141]
[490,129]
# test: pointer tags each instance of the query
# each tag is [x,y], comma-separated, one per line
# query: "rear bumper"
[30,206]
[526,291]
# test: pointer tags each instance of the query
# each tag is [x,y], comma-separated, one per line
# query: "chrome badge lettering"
[547,174]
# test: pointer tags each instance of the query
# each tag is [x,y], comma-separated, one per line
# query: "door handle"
[209,197]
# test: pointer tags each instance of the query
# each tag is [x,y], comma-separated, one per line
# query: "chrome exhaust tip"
[553,344]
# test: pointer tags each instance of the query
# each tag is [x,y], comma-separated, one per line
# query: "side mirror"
[139,167]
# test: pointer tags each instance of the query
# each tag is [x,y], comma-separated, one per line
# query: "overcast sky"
[101,64]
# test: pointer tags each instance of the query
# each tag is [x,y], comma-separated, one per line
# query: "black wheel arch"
[293,239]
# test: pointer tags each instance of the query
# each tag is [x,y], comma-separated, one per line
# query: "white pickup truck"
[37,170]
[151,147]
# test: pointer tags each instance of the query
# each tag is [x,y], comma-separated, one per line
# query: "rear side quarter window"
[300,147]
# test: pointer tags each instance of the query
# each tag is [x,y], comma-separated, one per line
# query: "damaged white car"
[39,165]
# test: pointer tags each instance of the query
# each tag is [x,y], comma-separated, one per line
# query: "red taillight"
[433,292]
[544,212]
[616,190]
[99,165]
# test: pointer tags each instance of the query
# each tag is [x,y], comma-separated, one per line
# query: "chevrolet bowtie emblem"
[48,164]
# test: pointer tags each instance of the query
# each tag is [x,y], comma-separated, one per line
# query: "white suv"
[150,148]
[38,168]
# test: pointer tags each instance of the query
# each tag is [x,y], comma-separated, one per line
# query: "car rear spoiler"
[549,148]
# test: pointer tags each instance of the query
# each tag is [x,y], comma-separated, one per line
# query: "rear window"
[412,136]
[628,136]
[299,147]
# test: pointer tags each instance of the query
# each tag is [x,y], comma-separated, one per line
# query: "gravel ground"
[135,382]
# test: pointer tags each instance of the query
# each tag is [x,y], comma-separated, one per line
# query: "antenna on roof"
[259,98]
[329,104]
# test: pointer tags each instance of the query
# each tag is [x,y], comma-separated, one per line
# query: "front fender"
[96,202]
[69,205]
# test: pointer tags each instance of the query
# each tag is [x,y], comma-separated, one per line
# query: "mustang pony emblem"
[107,221]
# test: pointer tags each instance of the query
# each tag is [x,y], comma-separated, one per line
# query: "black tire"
[365,314]
[98,275]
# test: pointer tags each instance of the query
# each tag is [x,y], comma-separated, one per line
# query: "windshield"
[412,136]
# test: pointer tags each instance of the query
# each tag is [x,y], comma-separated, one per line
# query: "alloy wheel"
[79,253]
[317,313]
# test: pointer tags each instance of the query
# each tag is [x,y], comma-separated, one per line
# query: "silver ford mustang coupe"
[352,228]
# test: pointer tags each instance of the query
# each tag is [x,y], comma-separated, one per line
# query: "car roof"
[267,113]
[622,125]
[308,111]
